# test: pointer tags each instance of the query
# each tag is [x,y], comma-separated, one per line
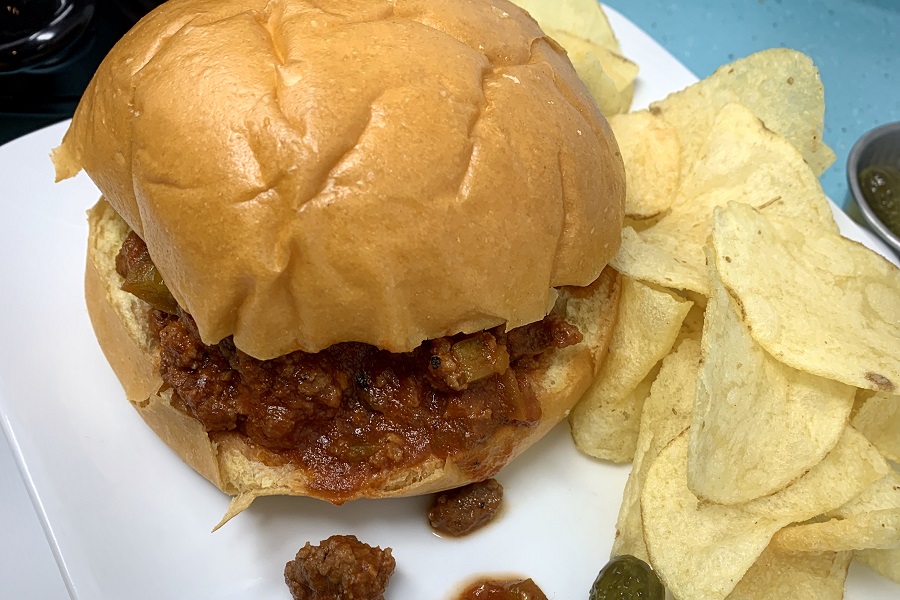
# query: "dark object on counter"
[43,32]
[135,9]
[49,50]
[490,589]
[880,148]
[339,568]
[627,578]
[463,510]
[881,188]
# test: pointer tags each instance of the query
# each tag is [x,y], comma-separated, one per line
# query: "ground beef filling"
[352,412]
[339,568]
[461,511]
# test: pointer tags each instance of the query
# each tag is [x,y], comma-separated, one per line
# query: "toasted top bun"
[244,471]
[383,171]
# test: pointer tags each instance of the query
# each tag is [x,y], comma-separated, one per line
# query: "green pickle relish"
[880,186]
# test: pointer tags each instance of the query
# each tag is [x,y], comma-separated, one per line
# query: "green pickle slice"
[627,578]
[145,282]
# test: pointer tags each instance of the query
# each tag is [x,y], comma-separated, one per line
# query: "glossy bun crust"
[242,470]
[381,171]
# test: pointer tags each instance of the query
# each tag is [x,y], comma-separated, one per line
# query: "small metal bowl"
[880,146]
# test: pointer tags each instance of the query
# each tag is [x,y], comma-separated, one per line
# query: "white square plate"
[127,519]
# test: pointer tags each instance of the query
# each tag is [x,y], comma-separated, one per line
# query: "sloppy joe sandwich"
[347,249]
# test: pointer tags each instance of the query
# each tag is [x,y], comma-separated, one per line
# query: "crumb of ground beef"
[465,509]
[339,568]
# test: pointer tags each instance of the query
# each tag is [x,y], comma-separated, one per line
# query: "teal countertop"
[855,44]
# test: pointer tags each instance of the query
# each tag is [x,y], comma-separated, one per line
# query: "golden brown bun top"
[309,172]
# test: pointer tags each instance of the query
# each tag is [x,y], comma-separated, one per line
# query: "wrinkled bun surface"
[241,470]
[383,172]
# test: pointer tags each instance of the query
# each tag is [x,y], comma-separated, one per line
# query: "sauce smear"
[490,589]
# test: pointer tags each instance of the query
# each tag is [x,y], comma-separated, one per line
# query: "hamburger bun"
[400,170]
[386,172]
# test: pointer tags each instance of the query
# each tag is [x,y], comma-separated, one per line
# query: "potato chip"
[623,73]
[849,469]
[639,225]
[780,86]
[605,421]
[870,521]
[692,326]
[877,416]
[884,562]
[666,413]
[778,575]
[884,494]
[650,255]
[608,76]
[819,303]
[753,165]
[580,18]
[701,550]
[629,538]
[639,395]
[671,398]
[650,151]
[874,529]
[757,424]
[581,27]
[744,162]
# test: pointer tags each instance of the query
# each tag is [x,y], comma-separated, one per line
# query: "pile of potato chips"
[753,375]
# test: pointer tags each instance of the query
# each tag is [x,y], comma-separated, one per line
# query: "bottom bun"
[237,467]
